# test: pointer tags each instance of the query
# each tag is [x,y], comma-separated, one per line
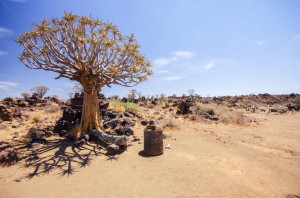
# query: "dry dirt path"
[205,160]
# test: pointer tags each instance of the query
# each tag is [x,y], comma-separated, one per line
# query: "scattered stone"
[80,143]
[124,131]
[113,149]
[18,180]
[136,138]
[2,127]
[16,135]
[111,124]
[127,122]
[153,123]
[214,117]
[144,122]
[63,133]
[36,145]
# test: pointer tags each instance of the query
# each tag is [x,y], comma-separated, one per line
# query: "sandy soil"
[205,160]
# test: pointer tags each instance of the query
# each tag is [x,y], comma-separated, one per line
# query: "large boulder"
[5,113]
[185,105]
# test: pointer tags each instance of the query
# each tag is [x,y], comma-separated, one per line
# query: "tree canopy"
[84,49]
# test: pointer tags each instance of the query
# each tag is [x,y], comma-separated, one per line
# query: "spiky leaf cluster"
[84,49]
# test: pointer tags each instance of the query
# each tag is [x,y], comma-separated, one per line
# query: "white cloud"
[209,66]
[183,54]
[6,86]
[4,31]
[173,78]
[162,61]
[261,43]
[2,53]
[162,72]
[176,56]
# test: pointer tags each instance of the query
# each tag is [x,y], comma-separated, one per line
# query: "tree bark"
[90,118]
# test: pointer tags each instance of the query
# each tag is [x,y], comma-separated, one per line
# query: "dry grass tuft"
[169,123]
[119,109]
[36,117]
[233,118]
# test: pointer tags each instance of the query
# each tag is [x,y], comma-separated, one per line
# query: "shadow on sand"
[58,156]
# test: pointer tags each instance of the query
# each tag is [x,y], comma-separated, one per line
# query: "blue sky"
[216,47]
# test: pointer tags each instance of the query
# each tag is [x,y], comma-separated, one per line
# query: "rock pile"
[5,113]
[118,122]
[185,106]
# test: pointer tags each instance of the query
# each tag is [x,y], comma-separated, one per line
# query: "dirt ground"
[205,160]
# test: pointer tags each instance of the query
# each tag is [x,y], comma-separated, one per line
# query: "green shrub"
[129,106]
[297,101]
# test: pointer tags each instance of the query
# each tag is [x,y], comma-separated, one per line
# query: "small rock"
[36,145]
[113,149]
[16,134]
[214,117]
[18,180]
[144,122]
[14,126]
[136,138]
[2,127]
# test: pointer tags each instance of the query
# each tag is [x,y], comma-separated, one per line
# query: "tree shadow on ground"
[58,156]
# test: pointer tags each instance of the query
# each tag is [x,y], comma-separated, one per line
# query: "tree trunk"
[90,118]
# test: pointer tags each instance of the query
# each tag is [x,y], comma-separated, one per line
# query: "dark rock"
[80,143]
[153,123]
[111,124]
[184,106]
[127,122]
[77,101]
[113,149]
[111,114]
[63,133]
[14,126]
[71,114]
[18,180]
[127,114]
[103,103]
[124,131]
[144,122]
[35,133]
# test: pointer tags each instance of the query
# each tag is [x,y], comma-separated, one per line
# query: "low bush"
[169,123]
[129,106]
[296,101]
[205,109]
[36,117]
[150,106]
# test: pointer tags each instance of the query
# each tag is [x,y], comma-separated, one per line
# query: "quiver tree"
[25,95]
[40,90]
[86,50]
